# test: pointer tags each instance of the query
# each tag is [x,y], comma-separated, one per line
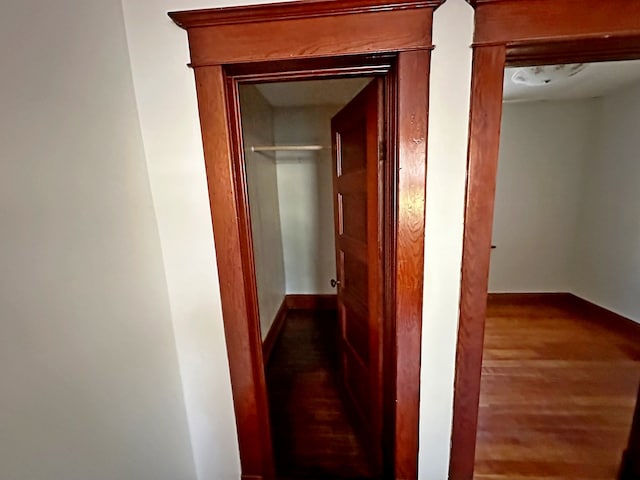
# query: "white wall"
[544,147]
[305,192]
[165,95]
[262,184]
[90,380]
[607,261]
[446,176]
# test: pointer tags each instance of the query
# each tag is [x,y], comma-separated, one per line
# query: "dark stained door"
[357,141]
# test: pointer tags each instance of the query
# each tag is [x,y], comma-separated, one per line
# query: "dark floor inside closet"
[313,437]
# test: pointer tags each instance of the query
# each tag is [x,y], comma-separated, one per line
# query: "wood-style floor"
[558,394]
[312,435]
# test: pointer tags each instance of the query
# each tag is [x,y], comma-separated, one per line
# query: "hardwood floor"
[558,394]
[313,437]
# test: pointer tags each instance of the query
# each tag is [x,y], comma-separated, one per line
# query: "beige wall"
[90,380]
[262,183]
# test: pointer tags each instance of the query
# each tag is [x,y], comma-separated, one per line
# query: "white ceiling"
[597,80]
[312,92]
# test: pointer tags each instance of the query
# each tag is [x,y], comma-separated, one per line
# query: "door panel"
[357,139]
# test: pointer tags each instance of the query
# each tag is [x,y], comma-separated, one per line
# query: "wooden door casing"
[357,133]
[512,33]
[393,38]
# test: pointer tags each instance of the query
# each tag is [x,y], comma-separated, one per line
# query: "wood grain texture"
[358,133]
[529,32]
[355,37]
[558,391]
[412,108]
[314,437]
[291,11]
[606,49]
[508,21]
[484,141]
[242,334]
[316,68]
[364,33]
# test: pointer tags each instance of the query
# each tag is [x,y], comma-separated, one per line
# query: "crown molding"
[291,10]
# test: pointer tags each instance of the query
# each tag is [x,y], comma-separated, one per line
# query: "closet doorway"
[313,155]
[314,40]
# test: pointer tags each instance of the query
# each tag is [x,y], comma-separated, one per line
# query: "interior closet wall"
[262,184]
[305,192]
[607,261]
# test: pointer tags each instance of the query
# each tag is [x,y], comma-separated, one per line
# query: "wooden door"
[357,150]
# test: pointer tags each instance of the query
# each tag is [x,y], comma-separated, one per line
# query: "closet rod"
[286,148]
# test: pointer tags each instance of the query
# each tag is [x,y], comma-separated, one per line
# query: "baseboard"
[294,302]
[312,302]
[606,318]
[529,298]
[251,477]
[274,332]
[592,312]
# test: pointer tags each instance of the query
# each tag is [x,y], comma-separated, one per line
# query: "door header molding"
[290,11]
[280,31]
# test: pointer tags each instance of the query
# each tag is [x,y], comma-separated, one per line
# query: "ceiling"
[596,80]
[312,92]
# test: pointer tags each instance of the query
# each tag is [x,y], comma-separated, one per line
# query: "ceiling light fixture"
[546,74]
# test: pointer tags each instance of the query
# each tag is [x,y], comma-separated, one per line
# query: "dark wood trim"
[517,21]
[268,43]
[554,298]
[605,317]
[412,113]
[355,65]
[514,32]
[274,332]
[242,333]
[484,131]
[291,11]
[573,51]
[378,31]
[311,302]
[630,465]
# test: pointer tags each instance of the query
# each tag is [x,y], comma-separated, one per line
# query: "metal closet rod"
[286,148]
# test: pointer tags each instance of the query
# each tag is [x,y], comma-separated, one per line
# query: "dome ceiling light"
[546,74]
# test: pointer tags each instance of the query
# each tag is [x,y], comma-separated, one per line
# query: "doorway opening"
[314,164]
[561,363]
[267,43]
[514,34]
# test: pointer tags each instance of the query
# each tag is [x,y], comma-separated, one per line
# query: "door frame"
[272,42]
[513,33]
